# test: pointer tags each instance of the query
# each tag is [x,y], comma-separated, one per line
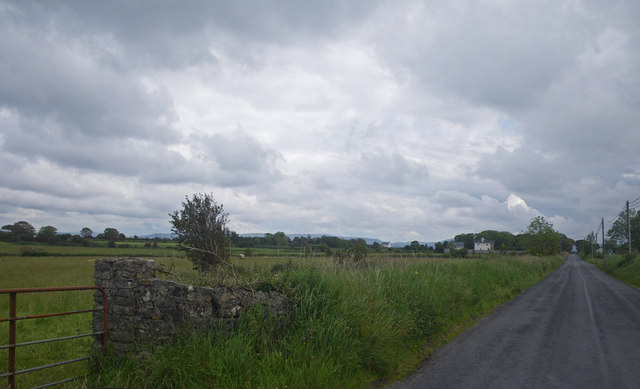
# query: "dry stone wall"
[144,309]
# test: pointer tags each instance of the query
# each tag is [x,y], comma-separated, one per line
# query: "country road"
[578,328]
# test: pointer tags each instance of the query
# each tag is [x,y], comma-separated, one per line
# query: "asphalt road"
[577,328]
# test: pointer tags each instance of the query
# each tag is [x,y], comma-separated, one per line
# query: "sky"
[396,120]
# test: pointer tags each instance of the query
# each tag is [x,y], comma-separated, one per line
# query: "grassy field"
[97,249]
[352,325]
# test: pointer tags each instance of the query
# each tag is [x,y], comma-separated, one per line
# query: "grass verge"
[351,326]
[622,267]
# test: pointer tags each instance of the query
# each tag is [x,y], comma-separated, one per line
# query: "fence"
[13,318]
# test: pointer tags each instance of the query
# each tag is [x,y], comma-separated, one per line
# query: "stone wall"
[143,309]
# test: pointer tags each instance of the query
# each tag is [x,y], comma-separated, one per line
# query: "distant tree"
[439,247]
[566,243]
[279,239]
[234,238]
[20,231]
[358,251]
[467,239]
[541,238]
[86,233]
[334,241]
[201,231]
[47,234]
[110,234]
[77,239]
[619,231]
[64,237]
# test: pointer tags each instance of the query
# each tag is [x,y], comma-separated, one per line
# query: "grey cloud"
[492,54]
[237,159]
[525,170]
[166,33]
[60,82]
[384,169]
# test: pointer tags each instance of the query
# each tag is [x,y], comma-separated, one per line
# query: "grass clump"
[351,326]
[624,267]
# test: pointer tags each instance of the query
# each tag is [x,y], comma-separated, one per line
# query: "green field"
[353,325]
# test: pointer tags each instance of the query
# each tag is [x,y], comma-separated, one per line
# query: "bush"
[202,233]
[27,251]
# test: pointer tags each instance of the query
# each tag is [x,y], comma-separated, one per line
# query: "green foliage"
[111,234]
[624,267]
[618,234]
[20,231]
[47,234]
[31,251]
[351,326]
[540,238]
[201,229]
[86,233]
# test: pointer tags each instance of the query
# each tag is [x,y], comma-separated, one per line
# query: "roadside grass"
[622,267]
[352,326]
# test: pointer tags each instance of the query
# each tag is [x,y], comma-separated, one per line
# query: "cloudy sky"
[397,120]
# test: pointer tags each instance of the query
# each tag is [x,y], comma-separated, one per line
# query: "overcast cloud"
[392,120]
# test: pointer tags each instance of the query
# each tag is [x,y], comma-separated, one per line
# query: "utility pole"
[629,227]
[602,238]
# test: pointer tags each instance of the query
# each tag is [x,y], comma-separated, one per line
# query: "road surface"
[578,328]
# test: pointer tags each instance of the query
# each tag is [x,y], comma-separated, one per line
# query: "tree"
[201,230]
[47,234]
[619,231]
[86,233]
[110,234]
[541,238]
[279,239]
[20,231]
[467,239]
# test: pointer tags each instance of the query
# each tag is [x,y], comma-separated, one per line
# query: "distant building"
[453,245]
[483,245]
[458,245]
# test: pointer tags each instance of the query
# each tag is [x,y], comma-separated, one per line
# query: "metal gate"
[13,318]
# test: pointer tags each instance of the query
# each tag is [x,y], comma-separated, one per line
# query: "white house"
[483,245]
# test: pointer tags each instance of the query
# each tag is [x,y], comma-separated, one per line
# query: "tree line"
[23,232]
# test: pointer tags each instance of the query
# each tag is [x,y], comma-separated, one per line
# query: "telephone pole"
[602,238]
[629,227]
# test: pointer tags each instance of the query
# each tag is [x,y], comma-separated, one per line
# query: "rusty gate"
[13,318]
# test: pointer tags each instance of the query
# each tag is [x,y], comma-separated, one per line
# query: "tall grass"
[622,267]
[351,326]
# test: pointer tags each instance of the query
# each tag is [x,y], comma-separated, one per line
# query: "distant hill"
[158,236]
[294,235]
